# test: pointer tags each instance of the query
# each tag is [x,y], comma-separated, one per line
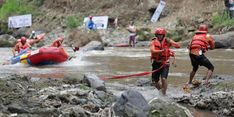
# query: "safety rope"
[142,73]
[132,75]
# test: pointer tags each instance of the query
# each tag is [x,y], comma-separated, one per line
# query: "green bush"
[222,20]
[144,34]
[73,22]
[38,2]
[176,36]
[14,7]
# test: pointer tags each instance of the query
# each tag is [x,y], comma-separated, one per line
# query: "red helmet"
[60,38]
[23,39]
[202,29]
[160,31]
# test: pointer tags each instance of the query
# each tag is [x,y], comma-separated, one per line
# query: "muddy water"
[124,61]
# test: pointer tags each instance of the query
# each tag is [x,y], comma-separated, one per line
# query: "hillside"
[127,10]
[179,17]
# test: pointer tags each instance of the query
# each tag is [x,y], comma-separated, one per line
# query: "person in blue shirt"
[91,25]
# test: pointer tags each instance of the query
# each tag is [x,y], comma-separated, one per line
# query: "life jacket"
[200,42]
[23,47]
[165,55]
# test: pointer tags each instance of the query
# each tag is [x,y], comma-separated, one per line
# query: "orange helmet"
[202,29]
[160,31]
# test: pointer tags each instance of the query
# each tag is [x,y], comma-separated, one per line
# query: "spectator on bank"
[231,9]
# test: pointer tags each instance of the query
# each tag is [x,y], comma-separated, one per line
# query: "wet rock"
[143,82]
[65,98]
[201,105]
[131,104]
[17,109]
[94,82]
[71,80]
[224,40]
[20,32]
[7,40]
[220,102]
[101,94]
[93,45]
[52,103]
[160,108]
[75,111]
[91,108]
[45,112]
[74,100]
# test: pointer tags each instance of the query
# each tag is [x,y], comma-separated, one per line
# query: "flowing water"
[124,61]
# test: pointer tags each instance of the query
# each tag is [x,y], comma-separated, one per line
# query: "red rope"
[140,74]
[132,75]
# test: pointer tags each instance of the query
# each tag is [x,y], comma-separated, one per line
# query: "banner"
[20,21]
[158,11]
[100,22]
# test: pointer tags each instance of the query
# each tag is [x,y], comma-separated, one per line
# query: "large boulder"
[7,40]
[224,40]
[20,32]
[161,108]
[81,37]
[93,45]
[94,82]
[131,104]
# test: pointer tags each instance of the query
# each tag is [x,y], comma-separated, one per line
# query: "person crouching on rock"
[160,55]
[197,47]
[58,42]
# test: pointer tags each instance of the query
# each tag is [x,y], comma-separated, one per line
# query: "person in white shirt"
[132,36]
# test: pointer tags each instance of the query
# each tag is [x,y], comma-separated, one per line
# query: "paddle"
[74,51]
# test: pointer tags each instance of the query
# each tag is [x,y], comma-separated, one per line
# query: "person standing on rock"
[160,55]
[90,24]
[132,36]
[197,47]
[231,9]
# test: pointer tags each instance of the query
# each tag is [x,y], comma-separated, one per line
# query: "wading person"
[198,47]
[160,56]
[132,36]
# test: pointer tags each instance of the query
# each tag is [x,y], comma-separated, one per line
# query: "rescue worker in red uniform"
[160,54]
[198,47]
[58,42]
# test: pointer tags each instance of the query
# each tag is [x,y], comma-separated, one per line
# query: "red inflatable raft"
[42,56]
[121,45]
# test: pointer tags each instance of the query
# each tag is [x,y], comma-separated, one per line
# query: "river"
[124,61]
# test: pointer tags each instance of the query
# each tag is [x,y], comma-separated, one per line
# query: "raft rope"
[132,75]
[137,74]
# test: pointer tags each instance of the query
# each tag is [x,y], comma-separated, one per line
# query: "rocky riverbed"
[218,97]
[24,96]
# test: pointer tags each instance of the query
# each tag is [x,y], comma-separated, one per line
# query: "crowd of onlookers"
[229,4]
